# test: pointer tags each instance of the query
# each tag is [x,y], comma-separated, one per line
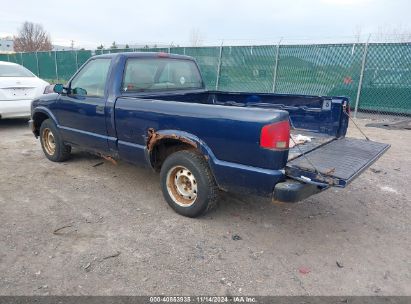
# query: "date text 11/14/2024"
[203,299]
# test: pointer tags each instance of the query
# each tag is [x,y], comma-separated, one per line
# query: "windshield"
[7,70]
[159,74]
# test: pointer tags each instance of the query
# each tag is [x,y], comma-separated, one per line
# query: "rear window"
[14,71]
[159,74]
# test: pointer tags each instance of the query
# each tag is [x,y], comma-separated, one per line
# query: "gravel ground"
[88,227]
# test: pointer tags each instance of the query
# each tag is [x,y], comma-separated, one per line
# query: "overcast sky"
[90,23]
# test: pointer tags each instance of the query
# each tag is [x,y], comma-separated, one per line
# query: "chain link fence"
[375,76]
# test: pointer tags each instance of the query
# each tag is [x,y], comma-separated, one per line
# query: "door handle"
[100,109]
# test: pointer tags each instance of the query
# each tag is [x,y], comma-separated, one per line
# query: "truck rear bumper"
[233,177]
[291,191]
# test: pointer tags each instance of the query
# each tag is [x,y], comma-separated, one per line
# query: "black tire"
[52,143]
[206,193]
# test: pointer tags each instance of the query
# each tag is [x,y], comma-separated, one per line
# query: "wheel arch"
[39,115]
[162,143]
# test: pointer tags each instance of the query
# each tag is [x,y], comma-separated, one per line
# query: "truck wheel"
[187,184]
[51,142]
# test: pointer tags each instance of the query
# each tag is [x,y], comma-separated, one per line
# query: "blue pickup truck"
[153,109]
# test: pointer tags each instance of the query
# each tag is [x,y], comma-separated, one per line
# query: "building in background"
[63,48]
[6,45]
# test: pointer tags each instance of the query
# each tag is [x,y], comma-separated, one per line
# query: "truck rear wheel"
[51,142]
[188,184]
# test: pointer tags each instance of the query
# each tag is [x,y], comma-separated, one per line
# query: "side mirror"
[79,91]
[58,88]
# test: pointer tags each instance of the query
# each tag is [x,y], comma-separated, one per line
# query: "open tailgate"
[337,162]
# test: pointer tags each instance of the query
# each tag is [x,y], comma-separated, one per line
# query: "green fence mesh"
[387,79]
[82,57]
[319,70]
[47,65]
[66,65]
[323,69]
[247,68]
[16,58]
[30,62]
[178,50]
[4,57]
[207,59]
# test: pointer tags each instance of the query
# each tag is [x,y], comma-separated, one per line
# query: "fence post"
[276,66]
[21,58]
[55,60]
[169,50]
[37,64]
[75,52]
[184,50]
[219,66]
[364,59]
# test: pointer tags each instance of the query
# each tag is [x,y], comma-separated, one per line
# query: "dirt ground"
[88,227]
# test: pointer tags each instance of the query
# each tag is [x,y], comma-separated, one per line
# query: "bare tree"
[397,33]
[113,45]
[32,38]
[196,37]
[357,34]
[384,33]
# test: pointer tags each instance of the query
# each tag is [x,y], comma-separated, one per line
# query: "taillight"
[49,89]
[275,136]
[346,107]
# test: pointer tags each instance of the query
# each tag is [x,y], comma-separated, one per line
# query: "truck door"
[81,113]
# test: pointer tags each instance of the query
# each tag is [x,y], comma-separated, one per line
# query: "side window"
[91,80]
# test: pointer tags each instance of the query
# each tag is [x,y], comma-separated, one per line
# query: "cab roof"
[144,55]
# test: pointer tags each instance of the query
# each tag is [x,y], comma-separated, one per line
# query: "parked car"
[18,87]
[153,109]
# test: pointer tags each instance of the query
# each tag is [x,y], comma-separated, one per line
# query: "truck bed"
[309,114]
[317,140]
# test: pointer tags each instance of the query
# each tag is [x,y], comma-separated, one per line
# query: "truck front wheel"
[188,184]
[52,143]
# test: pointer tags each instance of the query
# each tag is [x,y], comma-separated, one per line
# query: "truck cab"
[153,109]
